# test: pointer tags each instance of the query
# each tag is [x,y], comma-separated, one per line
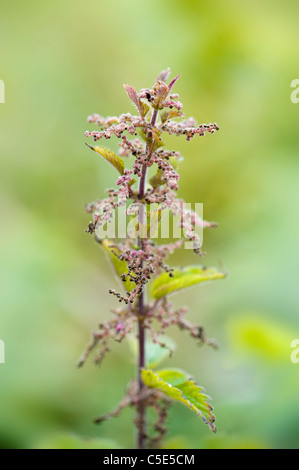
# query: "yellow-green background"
[63,60]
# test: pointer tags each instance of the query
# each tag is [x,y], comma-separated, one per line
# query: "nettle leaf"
[164,116]
[163,76]
[173,82]
[110,157]
[157,179]
[156,139]
[161,91]
[144,136]
[120,267]
[175,162]
[133,181]
[142,107]
[172,113]
[132,94]
[154,222]
[183,278]
[155,353]
[177,385]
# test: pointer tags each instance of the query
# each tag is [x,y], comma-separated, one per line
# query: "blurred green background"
[60,62]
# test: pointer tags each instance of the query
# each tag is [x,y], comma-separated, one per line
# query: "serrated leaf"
[142,107]
[172,83]
[133,181]
[153,140]
[154,352]
[156,140]
[175,162]
[172,113]
[143,136]
[164,116]
[163,76]
[161,91]
[154,222]
[174,377]
[183,278]
[120,267]
[156,180]
[110,157]
[176,384]
[132,94]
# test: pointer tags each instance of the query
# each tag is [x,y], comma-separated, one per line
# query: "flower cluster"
[115,329]
[189,128]
[148,259]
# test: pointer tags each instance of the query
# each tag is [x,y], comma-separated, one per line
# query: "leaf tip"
[173,81]
[90,146]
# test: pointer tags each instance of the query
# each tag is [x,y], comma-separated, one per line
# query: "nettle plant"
[139,260]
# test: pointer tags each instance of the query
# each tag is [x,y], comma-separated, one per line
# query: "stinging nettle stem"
[141,407]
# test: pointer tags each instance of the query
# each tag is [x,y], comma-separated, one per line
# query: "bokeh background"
[60,62]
